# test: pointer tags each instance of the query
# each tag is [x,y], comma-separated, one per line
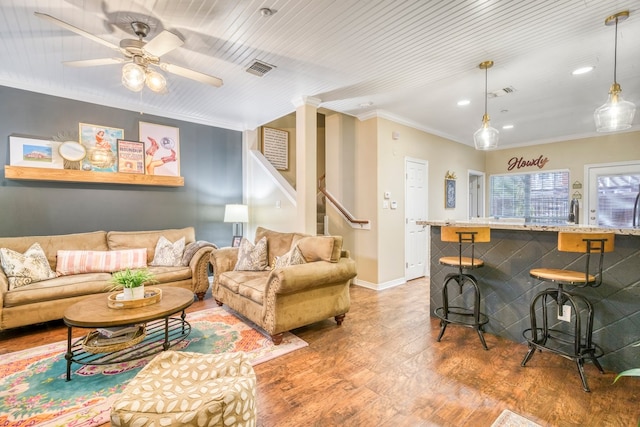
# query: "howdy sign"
[520,162]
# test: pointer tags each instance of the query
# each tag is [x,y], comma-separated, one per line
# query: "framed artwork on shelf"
[449,193]
[162,149]
[236,241]
[33,152]
[275,147]
[101,145]
[130,156]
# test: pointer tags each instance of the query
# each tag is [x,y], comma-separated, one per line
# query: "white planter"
[133,293]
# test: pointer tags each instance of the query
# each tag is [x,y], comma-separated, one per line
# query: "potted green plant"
[132,282]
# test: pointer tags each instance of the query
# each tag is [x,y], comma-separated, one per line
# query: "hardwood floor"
[383,367]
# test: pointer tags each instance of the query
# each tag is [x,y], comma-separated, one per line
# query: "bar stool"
[465,316]
[573,340]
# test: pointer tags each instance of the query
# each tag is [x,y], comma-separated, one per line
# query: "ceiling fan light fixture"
[616,114]
[486,138]
[133,77]
[155,81]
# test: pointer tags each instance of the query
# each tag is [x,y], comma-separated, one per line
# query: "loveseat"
[44,300]
[284,280]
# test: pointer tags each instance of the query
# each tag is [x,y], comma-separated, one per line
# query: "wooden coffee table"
[162,330]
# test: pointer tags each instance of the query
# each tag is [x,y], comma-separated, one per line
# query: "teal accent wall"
[210,162]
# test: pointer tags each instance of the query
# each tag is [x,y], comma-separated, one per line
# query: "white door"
[611,187]
[416,241]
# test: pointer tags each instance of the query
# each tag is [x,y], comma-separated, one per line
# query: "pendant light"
[616,114]
[485,138]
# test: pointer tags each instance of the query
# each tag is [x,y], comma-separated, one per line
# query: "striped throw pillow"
[78,262]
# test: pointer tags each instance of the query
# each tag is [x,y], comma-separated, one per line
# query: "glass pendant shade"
[133,77]
[156,81]
[616,114]
[486,138]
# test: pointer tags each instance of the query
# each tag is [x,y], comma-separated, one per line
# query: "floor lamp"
[238,215]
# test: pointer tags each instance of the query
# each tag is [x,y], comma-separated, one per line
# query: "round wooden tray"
[92,345]
[151,296]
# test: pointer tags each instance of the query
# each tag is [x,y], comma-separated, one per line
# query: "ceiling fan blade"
[94,62]
[77,30]
[191,74]
[164,42]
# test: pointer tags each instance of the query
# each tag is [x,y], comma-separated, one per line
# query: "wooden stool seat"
[566,276]
[465,262]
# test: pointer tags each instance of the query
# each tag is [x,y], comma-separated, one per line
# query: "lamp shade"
[616,114]
[236,213]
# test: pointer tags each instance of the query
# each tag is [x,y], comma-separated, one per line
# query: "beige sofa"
[47,300]
[284,298]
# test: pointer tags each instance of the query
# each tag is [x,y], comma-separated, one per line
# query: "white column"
[306,153]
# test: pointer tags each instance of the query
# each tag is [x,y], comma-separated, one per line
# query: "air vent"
[501,92]
[259,68]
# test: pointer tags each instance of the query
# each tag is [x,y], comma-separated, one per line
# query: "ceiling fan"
[139,56]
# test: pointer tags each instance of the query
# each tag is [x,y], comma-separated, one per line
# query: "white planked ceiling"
[409,61]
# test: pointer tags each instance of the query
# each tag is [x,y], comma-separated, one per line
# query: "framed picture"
[236,241]
[275,147]
[101,145]
[130,156]
[449,193]
[162,149]
[35,153]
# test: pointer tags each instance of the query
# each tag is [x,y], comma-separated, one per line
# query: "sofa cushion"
[316,248]
[78,262]
[94,241]
[232,279]
[58,288]
[278,243]
[147,239]
[165,274]
[293,257]
[168,254]
[252,258]
[25,268]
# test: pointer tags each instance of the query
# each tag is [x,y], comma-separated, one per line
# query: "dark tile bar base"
[507,288]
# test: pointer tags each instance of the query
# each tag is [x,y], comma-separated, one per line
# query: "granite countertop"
[507,225]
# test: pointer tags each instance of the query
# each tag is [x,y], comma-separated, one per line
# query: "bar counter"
[507,289]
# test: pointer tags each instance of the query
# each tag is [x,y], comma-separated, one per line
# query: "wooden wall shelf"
[68,175]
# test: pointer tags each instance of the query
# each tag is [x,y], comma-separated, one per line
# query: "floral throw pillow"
[252,258]
[293,257]
[168,254]
[27,268]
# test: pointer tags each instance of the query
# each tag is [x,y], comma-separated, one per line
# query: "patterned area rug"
[33,390]
[511,419]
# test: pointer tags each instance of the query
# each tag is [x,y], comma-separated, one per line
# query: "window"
[540,198]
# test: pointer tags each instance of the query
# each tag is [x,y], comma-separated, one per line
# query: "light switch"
[394,205]
[385,204]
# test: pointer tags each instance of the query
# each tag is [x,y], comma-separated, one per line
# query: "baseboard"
[379,286]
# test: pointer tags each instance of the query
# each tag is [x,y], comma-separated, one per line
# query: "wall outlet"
[566,313]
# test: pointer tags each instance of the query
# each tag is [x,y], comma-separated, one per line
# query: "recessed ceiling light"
[463,102]
[507,127]
[365,104]
[582,70]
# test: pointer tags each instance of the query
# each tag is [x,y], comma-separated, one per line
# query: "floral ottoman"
[182,388]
